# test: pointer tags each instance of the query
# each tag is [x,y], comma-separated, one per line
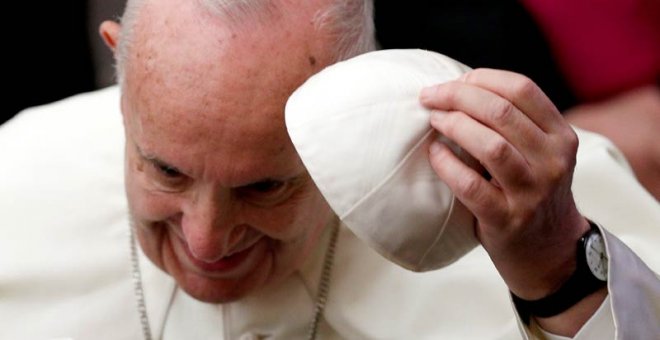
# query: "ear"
[109,31]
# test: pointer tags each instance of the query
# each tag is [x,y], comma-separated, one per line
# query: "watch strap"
[578,286]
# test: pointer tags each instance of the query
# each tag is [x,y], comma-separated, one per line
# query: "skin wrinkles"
[212,179]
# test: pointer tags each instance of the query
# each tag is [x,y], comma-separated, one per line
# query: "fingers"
[515,132]
[475,192]
[523,93]
[514,88]
[490,110]
[506,122]
[502,160]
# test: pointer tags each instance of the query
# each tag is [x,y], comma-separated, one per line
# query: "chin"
[214,293]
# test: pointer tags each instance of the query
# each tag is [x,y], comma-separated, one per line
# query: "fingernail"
[426,93]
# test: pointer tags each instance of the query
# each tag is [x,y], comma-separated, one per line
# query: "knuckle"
[559,170]
[524,87]
[502,112]
[562,165]
[566,165]
[572,141]
[524,214]
[469,186]
[449,93]
[497,152]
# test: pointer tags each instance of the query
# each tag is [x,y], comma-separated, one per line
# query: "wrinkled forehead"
[187,53]
[192,83]
[190,35]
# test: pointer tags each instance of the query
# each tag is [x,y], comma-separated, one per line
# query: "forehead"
[196,87]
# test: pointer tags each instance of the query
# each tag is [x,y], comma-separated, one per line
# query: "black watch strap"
[581,284]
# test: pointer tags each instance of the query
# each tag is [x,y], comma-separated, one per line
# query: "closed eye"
[267,186]
[164,176]
[266,193]
[167,177]
[166,170]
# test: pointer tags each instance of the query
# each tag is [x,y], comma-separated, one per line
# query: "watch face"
[596,256]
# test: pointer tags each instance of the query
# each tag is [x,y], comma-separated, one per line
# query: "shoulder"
[102,102]
[63,161]
[606,189]
[64,243]
[62,171]
[88,122]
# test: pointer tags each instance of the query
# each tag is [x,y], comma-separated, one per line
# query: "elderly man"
[236,240]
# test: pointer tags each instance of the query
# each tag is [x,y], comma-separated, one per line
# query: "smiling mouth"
[235,265]
[224,263]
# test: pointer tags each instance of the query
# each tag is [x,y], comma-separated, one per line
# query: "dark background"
[51,47]
[49,53]
[54,47]
[479,33]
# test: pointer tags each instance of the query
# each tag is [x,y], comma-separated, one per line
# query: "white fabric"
[64,260]
[364,138]
[65,264]
[600,326]
[606,191]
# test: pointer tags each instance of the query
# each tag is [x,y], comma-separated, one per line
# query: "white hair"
[351,24]
[348,22]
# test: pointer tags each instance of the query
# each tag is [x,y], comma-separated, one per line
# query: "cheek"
[291,222]
[310,218]
[308,227]
[319,219]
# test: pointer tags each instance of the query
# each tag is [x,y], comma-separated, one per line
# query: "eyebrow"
[155,160]
[158,162]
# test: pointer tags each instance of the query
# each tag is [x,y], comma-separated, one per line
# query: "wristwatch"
[589,276]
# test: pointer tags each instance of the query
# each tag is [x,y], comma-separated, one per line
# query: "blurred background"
[59,53]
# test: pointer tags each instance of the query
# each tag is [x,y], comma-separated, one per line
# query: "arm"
[526,216]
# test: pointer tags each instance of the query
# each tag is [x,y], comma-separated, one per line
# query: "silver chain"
[321,299]
[324,283]
[139,291]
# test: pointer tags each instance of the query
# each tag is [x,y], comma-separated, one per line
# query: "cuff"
[599,326]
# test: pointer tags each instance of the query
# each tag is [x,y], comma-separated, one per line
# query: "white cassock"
[65,264]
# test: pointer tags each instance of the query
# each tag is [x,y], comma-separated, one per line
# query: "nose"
[208,225]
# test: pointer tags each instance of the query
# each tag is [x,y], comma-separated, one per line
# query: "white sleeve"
[632,307]
[599,326]
[607,192]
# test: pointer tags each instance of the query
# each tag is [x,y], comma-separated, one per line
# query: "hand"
[526,216]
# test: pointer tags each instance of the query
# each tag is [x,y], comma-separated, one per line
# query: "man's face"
[218,196]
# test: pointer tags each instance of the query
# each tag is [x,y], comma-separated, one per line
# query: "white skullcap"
[364,138]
